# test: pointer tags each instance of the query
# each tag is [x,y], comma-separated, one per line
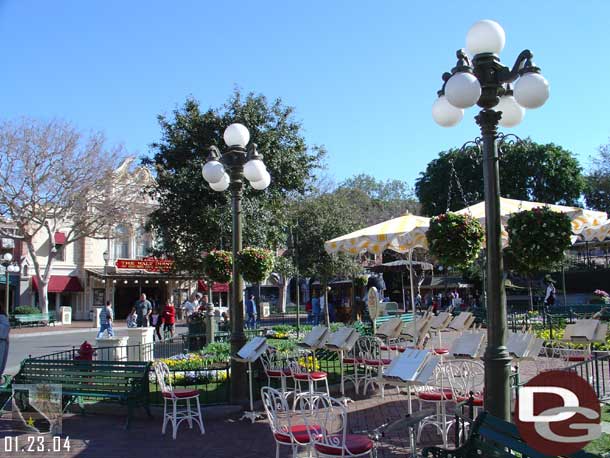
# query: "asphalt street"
[42,343]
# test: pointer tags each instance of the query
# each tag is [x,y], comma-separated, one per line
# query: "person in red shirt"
[169,317]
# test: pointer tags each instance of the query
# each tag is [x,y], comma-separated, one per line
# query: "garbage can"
[65,315]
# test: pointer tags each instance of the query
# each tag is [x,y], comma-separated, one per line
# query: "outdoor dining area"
[433,390]
[433,365]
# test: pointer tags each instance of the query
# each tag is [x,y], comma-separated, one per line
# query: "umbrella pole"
[413,295]
[402,284]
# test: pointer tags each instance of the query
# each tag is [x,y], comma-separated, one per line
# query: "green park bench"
[493,438]
[123,381]
[32,319]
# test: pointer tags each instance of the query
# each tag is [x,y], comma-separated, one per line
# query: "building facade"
[85,274]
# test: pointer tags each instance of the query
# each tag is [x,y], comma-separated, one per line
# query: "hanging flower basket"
[219,266]
[538,238]
[455,240]
[255,264]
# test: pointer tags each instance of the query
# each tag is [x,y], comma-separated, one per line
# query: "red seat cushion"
[350,360]
[393,348]
[578,357]
[312,375]
[354,443]
[299,432]
[278,373]
[441,351]
[376,362]
[435,395]
[478,399]
[181,393]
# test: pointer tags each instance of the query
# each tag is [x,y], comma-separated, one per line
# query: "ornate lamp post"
[486,82]
[227,171]
[9,268]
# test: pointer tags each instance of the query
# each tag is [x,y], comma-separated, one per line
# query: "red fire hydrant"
[85,352]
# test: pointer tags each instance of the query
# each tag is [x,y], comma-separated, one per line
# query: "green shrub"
[26,310]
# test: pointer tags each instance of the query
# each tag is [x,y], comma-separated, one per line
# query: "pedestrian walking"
[155,321]
[106,321]
[251,312]
[169,317]
[315,309]
[143,310]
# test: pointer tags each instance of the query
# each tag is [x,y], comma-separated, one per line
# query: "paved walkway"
[103,436]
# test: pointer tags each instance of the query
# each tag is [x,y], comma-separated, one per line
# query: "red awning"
[216,287]
[60,238]
[61,284]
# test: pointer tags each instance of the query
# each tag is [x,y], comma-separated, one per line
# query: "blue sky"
[362,75]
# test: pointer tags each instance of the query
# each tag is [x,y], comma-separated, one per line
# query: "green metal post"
[497,359]
[239,381]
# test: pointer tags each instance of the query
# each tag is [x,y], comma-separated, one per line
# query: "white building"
[84,274]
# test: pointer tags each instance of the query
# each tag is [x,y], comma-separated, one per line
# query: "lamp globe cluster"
[236,137]
[462,87]
[7,259]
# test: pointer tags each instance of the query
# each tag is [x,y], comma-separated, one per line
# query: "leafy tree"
[597,192]
[528,171]
[379,200]
[321,218]
[192,218]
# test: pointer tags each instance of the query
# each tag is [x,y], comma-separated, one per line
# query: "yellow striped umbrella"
[399,234]
[600,232]
[580,218]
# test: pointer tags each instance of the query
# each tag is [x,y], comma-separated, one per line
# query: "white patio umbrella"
[600,232]
[580,218]
[401,234]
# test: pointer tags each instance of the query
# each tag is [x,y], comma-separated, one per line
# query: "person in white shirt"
[189,307]
[549,298]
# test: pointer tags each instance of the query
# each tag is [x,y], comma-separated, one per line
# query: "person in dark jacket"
[251,312]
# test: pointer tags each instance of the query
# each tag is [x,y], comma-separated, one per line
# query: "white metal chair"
[177,413]
[369,350]
[467,379]
[285,425]
[302,373]
[275,370]
[331,439]
[439,393]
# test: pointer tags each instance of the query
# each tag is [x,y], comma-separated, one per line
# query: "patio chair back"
[466,377]
[163,377]
[368,348]
[277,410]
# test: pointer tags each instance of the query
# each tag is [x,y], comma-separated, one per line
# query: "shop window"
[121,242]
[143,244]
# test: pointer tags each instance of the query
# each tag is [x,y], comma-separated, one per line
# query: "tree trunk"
[529,287]
[43,299]
[283,295]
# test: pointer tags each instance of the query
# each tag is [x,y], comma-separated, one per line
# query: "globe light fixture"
[463,90]
[263,183]
[229,170]
[236,135]
[531,90]
[222,184]
[512,112]
[483,80]
[446,114]
[213,171]
[254,170]
[485,36]
[7,257]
